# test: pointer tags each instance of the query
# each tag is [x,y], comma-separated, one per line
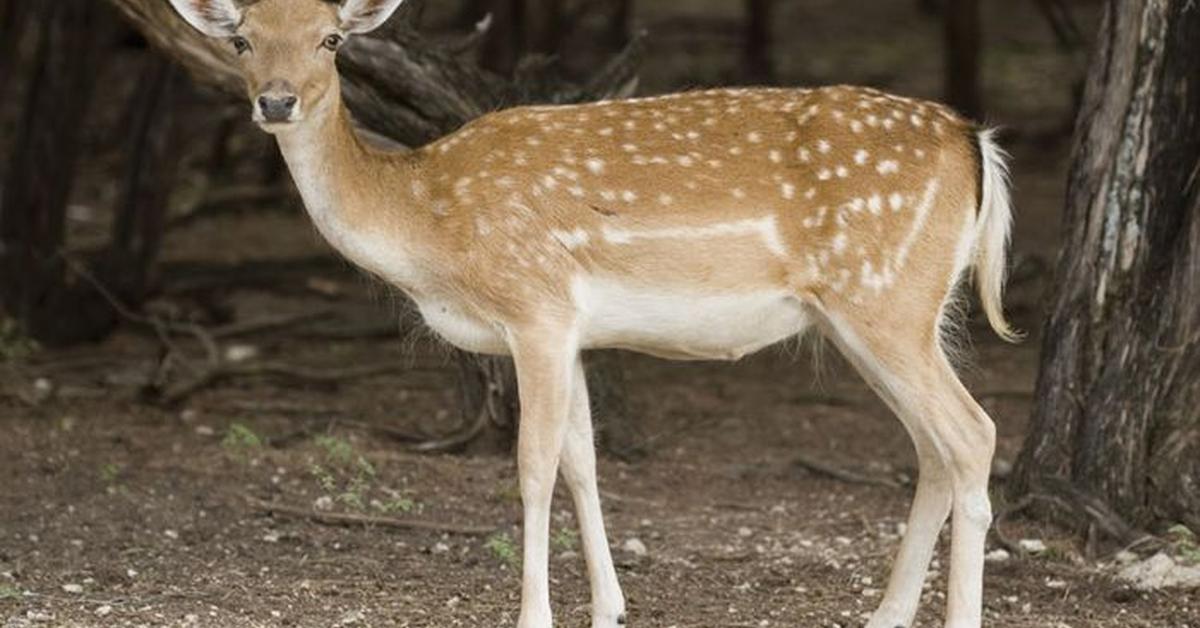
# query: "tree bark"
[757,62]
[401,86]
[962,41]
[1119,386]
[153,156]
[33,287]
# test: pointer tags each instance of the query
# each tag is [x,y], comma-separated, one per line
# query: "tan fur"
[698,225]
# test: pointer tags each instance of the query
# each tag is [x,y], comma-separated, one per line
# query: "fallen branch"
[224,371]
[828,470]
[1001,538]
[269,323]
[350,519]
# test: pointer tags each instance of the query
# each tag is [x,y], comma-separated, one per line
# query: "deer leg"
[930,508]
[579,471]
[969,437]
[544,361]
[954,440]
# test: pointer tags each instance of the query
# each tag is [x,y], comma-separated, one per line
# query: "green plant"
[239,440]
[396,504]
[336,449]
[110,472]
[564,540]
[1185,543]
[14,343]
[507,492]
[9,592]
[502,547]
[325,479]
[343,472]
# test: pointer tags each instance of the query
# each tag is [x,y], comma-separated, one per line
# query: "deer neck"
[364,202]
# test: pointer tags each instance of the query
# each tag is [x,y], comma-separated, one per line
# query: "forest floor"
[120,512]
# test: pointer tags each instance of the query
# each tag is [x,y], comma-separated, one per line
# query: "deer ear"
[215,18]
[362,16]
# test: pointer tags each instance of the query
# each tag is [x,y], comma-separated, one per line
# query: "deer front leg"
[579,471]
[544,359]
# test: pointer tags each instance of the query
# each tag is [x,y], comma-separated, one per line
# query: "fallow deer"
[703,225]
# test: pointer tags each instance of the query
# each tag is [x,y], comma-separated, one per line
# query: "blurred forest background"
[207,418]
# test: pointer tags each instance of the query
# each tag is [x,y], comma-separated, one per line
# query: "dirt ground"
[118,512]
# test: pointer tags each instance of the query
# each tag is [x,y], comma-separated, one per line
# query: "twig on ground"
[269,323]
[459,440]
[1001,538]
[384,430]
[223,371]
[828,470]
[351,519]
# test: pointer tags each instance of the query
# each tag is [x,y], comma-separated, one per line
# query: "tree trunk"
[962,33]
[1119,386]
[153,155]
[33,286]
[402,87]
[757,63]
[617,23]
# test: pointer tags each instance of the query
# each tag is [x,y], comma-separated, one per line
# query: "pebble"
[635,547]
[104,610]
[1033,546]
[1160,572]
[73,588]
[998,555]
[241,353]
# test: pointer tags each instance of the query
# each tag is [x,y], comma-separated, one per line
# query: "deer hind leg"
[545,359]
[954,439]
[579,472]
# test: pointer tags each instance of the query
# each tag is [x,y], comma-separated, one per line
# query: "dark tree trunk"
[153,156]
[619,19]
[962,34]
[616,422]
[33,287]
[14,19]
[1119,385]
[502,46]
[544,26]
[758,65]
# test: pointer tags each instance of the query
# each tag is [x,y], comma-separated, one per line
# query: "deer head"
[286,48]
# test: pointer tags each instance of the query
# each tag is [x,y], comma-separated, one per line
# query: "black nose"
[277,108]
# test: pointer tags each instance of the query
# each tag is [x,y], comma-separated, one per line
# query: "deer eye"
[332,42]
[240,44]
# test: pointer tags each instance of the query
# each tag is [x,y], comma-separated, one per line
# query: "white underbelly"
[463,330]
[682,325]
[675,325]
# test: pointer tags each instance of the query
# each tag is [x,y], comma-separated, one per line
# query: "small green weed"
[9,592]
[502,547]
[110,472]
[14,343]
[348,475]
[394,505]
[240,440]
[564,540]
[1185,543]
[508,492]
[337,450]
